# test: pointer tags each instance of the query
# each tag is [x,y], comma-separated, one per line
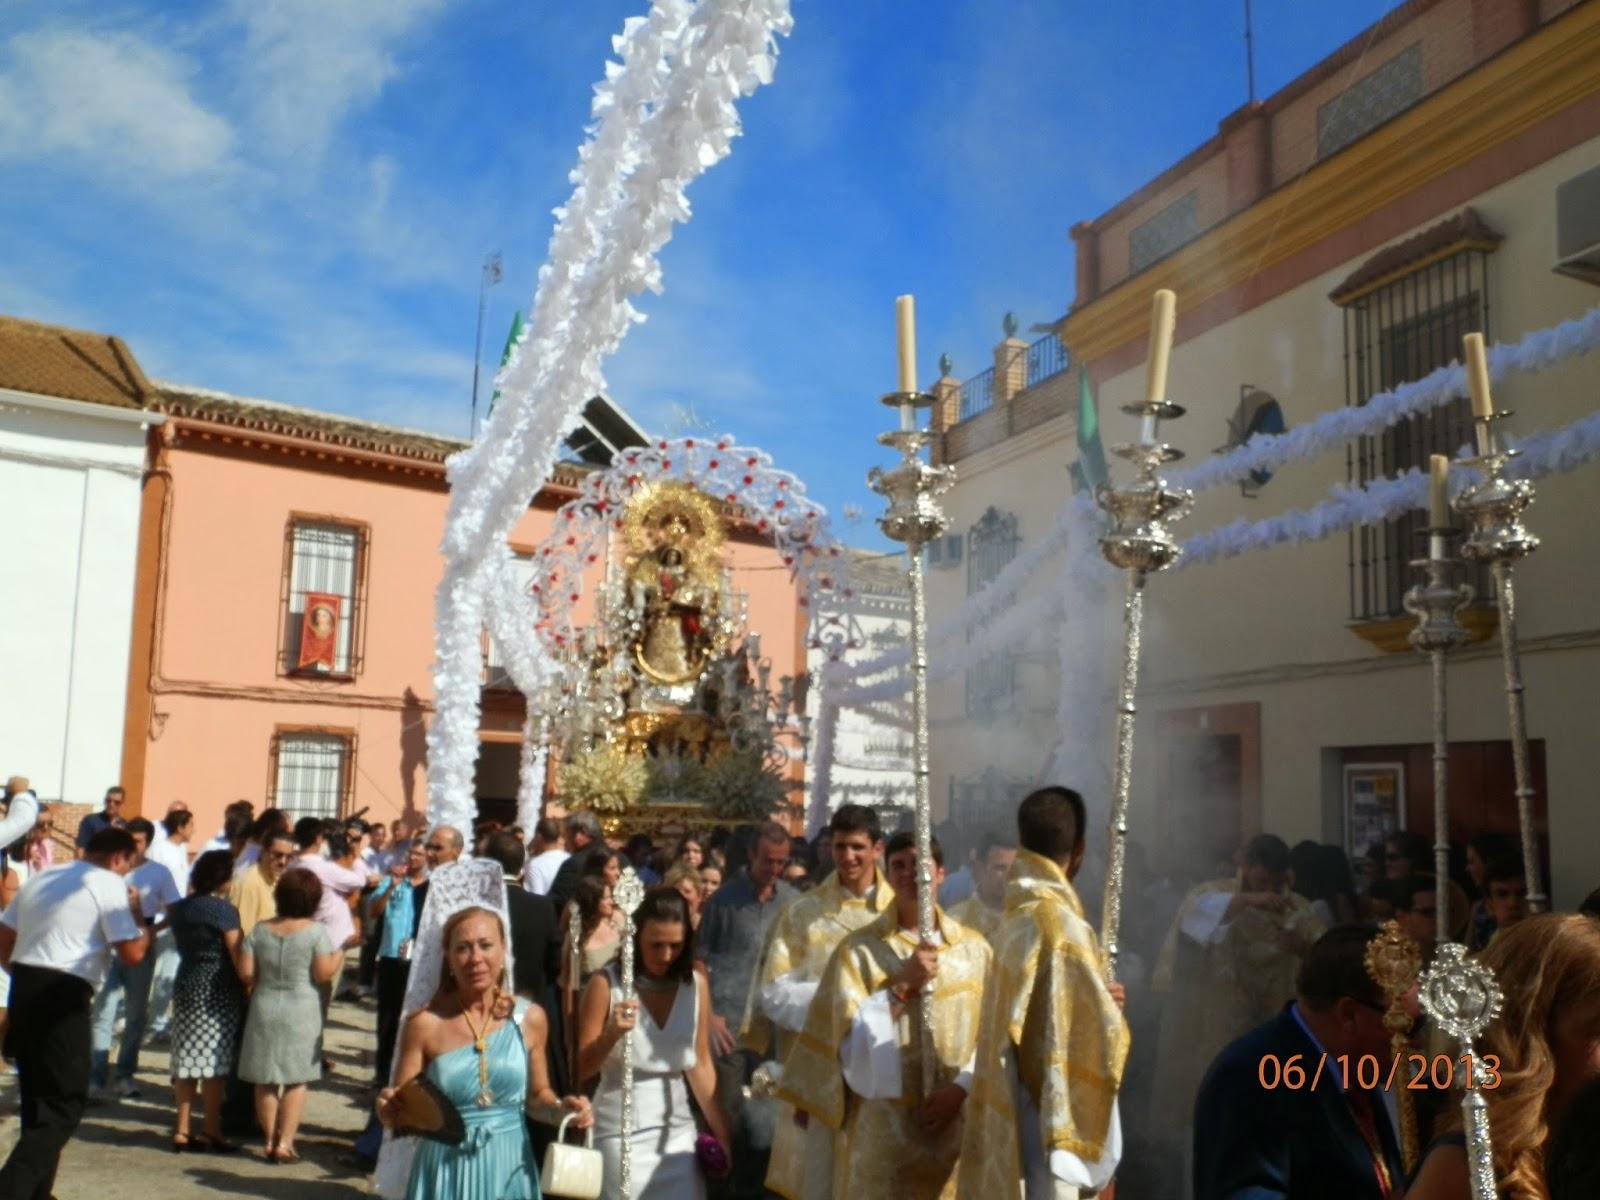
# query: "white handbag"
[576,1172]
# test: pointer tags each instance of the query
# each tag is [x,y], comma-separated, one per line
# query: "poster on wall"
[1374,804]
[319,632]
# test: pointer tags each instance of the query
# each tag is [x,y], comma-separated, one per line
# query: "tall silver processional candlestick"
[914,518]
[627,896]
[1435,601]
[1493,508]
[1139,543]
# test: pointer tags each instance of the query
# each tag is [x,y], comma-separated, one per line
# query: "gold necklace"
[480,1043]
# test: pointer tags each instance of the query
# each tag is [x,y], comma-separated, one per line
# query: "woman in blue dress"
[489,1060]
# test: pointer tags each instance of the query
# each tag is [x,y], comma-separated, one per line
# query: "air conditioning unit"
[1578,227]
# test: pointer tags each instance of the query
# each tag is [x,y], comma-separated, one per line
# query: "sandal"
[211,1145]
[180,1142]
[287,1157]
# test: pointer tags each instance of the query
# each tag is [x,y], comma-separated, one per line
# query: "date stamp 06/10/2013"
[1414,1072]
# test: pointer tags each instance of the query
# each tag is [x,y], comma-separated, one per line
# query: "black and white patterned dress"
[207,999]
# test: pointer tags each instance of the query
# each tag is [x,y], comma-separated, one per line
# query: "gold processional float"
[663,719]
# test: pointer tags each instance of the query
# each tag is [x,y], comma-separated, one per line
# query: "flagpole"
[489,276]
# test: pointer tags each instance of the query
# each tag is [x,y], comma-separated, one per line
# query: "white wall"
[70,473]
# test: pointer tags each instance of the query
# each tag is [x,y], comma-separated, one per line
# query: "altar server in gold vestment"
[799,944]
[1228,964]
[1042,1120]
[856,1067]
[986,907]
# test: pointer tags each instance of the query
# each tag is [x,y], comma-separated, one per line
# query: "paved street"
[124,1149]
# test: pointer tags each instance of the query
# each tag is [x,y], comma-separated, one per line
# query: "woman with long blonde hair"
[1544,1046]
[489,1060]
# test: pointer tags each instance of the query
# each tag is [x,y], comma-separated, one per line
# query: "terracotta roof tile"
[70,364]
[1464,229]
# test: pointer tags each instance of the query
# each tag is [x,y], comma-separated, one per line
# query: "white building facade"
[73,431]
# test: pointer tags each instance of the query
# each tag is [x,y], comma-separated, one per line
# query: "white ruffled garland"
[531,775]
[1541,454]
[663,114]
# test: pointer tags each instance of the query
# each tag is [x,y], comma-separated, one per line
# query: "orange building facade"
[251,513]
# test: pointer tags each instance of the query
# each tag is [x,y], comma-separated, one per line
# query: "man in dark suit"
[534,937]
[1258,1136]
[583,831]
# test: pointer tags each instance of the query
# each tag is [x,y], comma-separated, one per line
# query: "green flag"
[1089,472]
[511,346]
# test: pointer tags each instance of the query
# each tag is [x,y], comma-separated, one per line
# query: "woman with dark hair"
[284,962]
[207,999]
[1406,854]
[1322,876]
[604,864]
[598,938]
[671,1056]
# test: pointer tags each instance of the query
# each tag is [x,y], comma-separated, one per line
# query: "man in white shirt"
[546,853]
[170,848]
[129,986]
[57,939]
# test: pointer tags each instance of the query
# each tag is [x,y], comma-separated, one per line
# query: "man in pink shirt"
[341,885]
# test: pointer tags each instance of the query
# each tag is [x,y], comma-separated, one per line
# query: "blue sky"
[292,198]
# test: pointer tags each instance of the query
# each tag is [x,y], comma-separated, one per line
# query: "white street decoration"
[663,114]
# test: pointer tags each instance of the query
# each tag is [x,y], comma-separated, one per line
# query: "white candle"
[1163,316]
[1438,503]
[1478,383]
[905,335]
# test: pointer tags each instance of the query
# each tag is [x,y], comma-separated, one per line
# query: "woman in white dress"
[671,1057]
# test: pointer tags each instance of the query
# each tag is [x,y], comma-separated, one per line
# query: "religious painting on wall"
[1374,804]
[319,632]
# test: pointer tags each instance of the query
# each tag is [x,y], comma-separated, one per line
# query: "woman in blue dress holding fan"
[488,1059]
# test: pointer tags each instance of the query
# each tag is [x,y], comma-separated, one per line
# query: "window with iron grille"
[1394,334]
[495,674]
[324,557]
[991,544]
[310,773]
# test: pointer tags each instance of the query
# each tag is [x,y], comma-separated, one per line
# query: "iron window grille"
[1395,334]
[991,544]
[322,555]
[310,773]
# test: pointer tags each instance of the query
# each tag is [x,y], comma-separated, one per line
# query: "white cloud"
[112,101]
[307,64]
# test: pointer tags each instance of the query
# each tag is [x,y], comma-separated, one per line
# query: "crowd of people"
[781,991]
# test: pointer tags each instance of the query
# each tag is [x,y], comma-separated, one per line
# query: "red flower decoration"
[666,464]
[572,541]
[689,443]
[732,499]
[714,464]
[632,458]
[749,462]
[573,597]
[783,483]
[748,480]
[777,504]
[661,445]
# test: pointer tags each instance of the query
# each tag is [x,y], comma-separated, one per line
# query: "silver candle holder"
[1435,601]
[1462,997]
[914,518]
[1138,542]
[1493,508]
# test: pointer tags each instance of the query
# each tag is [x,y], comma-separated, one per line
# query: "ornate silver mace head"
[1435,601]
[1459,993]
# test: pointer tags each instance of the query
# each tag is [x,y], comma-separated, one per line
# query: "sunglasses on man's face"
[279,855]
[435,847]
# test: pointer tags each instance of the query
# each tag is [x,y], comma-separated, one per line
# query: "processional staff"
[914,518]
[627,895]
[1139,543]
